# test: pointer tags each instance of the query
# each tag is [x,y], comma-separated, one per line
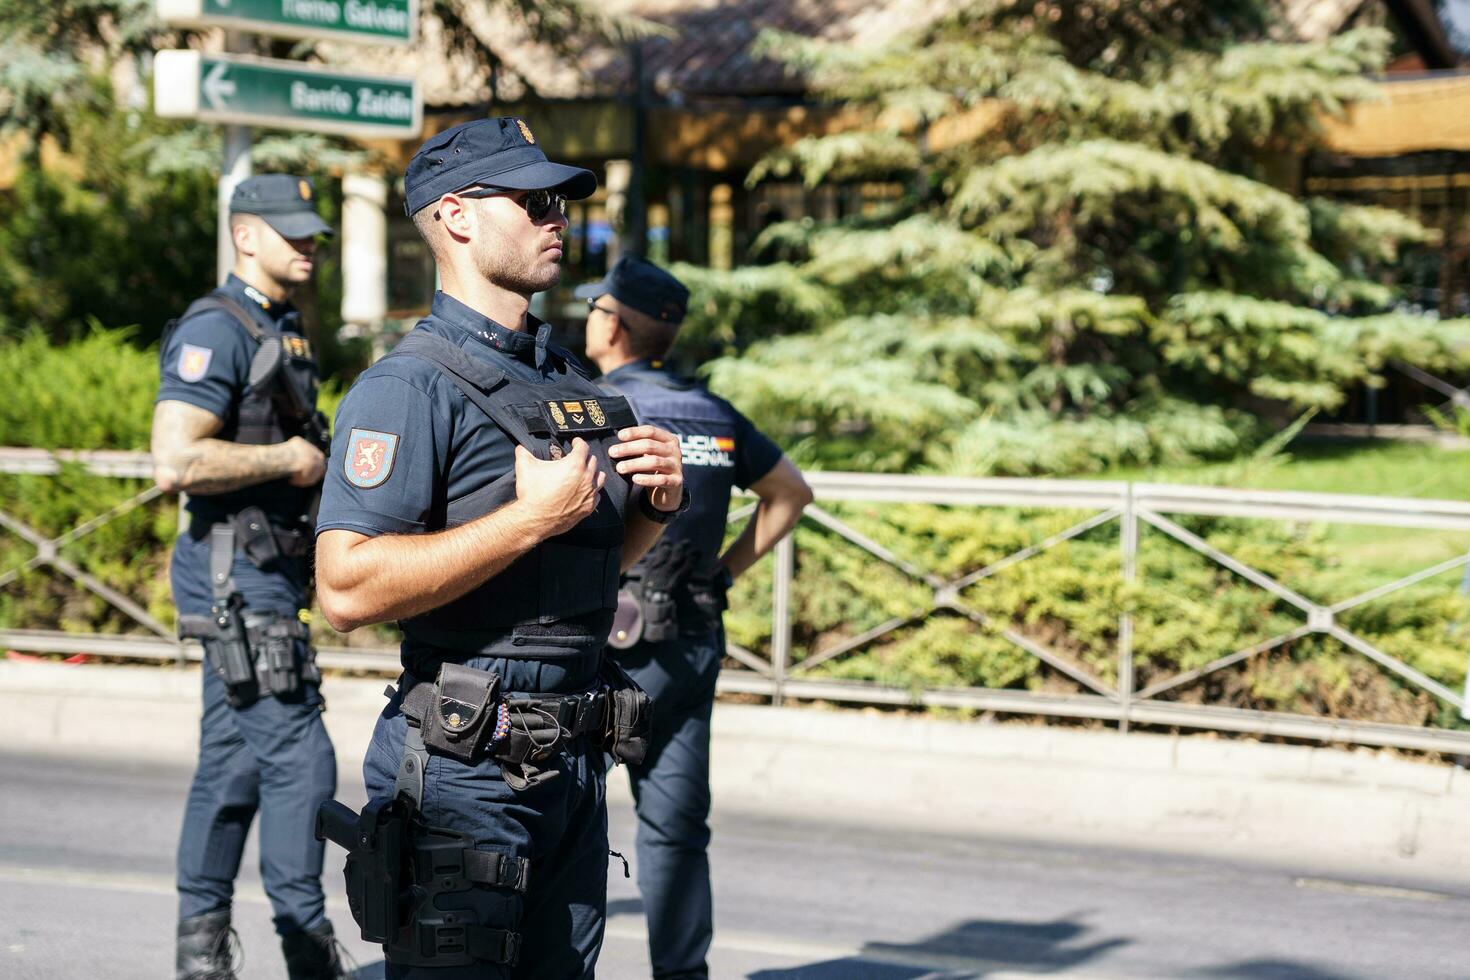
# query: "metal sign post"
[240,91]
[234,167]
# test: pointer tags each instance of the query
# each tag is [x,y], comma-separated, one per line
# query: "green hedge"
[1187,610]
[98,392]
[94,393]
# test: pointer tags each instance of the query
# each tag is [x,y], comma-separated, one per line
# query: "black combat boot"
[316,955]
[206,948]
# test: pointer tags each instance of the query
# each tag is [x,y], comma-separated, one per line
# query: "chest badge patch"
[582,416]
[369,459]
[194,362]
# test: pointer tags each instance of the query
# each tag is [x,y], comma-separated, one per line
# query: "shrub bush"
[1187,610]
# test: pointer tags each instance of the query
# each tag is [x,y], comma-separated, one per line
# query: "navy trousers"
[273,758]
[672,797]
[560,825]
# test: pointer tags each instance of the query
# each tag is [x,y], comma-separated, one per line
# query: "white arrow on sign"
[217,88]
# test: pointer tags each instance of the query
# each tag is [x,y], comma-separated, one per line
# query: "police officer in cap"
[670,634]
[235,427]
[485,493]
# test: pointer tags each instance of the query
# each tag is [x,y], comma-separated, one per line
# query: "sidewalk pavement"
[1324,806]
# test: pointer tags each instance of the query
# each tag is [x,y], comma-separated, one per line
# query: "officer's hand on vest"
[650,457]
[308,465]
[559,493]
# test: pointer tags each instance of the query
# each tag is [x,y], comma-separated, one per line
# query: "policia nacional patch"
[369,459]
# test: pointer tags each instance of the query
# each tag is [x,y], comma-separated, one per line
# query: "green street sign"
[377,21]
[285,94]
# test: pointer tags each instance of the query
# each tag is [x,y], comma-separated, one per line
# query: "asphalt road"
[86,891]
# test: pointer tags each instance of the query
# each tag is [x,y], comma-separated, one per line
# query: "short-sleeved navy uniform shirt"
[205,362]
[436,446]
[721,448]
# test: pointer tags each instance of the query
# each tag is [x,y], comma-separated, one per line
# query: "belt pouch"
[228,652]
[273,638]
[660,615]
[629,717]
[256,539]
[461,717]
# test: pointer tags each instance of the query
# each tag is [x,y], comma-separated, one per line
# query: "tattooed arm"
[186,459]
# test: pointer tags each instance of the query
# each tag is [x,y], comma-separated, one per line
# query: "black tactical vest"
[263,415]
[557,600]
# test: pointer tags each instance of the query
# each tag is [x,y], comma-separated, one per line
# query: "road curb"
[1325,805]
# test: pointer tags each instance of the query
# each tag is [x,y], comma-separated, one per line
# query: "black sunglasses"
[538,204]
[592,305]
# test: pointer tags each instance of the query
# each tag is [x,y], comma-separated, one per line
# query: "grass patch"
[1365,555]
[1379,468]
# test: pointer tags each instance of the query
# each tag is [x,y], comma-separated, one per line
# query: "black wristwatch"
[645,505]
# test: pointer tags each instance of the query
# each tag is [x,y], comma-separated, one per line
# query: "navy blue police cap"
[285,202]
[643,286]
[500,153]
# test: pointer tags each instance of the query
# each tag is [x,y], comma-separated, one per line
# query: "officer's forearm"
[640,535]
[206,466]
[783,494]
[362,580]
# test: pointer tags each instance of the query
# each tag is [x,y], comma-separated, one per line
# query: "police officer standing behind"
[485,493]
[236,428]
[674,640]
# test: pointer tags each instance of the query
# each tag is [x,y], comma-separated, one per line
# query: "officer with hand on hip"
[485,493]
[670,634]
[236,428]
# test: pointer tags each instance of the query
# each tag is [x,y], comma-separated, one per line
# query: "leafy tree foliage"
[111,215]
[1100,267]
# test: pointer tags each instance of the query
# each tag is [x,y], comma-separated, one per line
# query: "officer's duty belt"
[538,726]
[251,535]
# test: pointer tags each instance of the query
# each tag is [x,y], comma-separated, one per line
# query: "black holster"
[255,653]
[228,652]
[397,867]
[629,714]
[377,844]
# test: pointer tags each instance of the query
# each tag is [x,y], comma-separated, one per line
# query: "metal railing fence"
[779,677]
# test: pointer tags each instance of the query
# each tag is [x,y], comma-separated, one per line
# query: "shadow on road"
[1271,970]
[971,949]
